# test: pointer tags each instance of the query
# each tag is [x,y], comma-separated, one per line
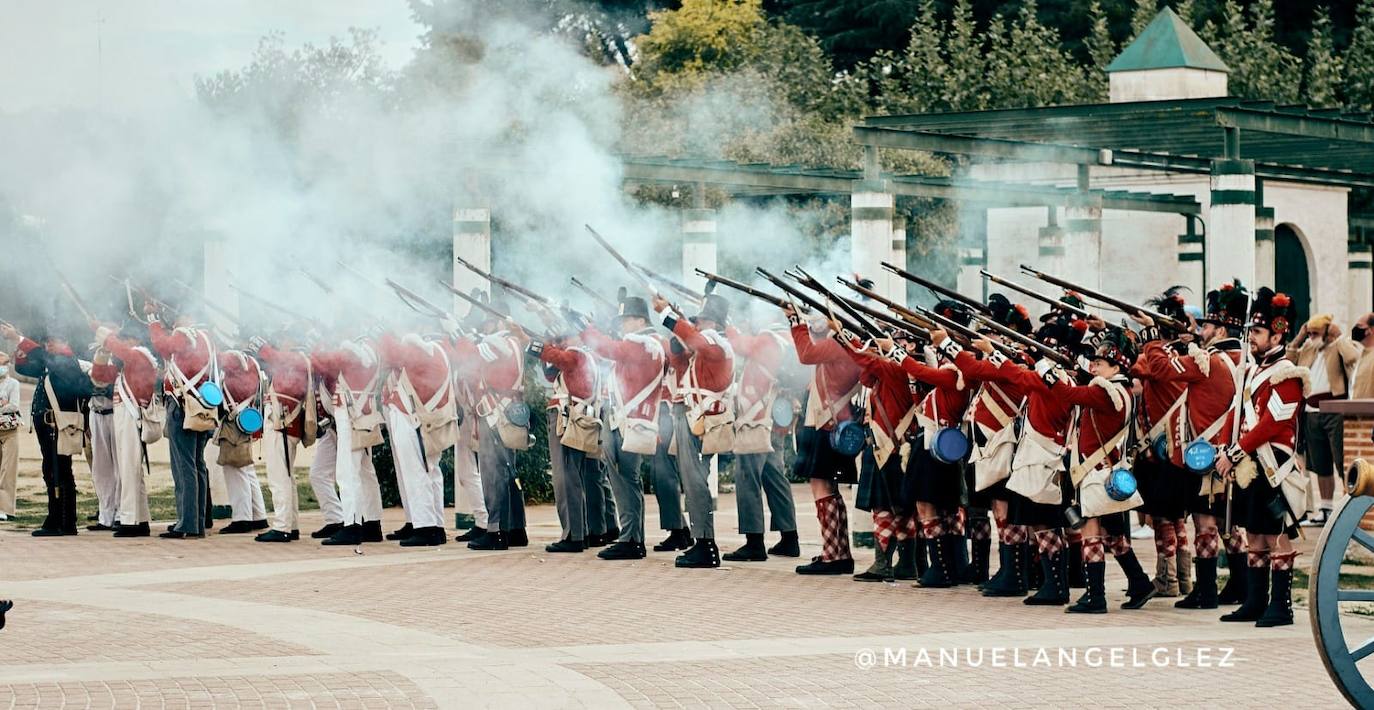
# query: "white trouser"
[219,490]
[422,498]
[360,494]
[322,477]
[133,491]
[104,472]
[280,452]
[467,481]
[245,492]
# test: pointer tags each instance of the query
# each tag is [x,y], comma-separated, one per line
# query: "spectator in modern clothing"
[1331,358]
[11,418]
[1362,384]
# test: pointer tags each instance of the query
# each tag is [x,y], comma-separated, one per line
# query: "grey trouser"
[560,501]
[603,496]
[190,477]
[574,492]
[629,493]
[505,502]
[753,478]
[694,472]
[667,482]
[1323,435]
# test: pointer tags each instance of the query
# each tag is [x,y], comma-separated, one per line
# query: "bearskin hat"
[1069,297]
[953,310]
[1228,305]
[1274,312]
[1011,315]
[1116,346]
[1170,303]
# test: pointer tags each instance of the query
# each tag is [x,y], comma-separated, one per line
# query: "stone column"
[870,229]
[698,245]
[1360,294]
[1051,251]
[1264,248]
[1083,240]
[896,285]
[1190,258]
[472,241]
[1231,223]
[215,287]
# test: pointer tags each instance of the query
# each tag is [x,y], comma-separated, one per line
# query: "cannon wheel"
[1340,657]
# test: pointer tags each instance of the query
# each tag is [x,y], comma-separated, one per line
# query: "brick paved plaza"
[226,622]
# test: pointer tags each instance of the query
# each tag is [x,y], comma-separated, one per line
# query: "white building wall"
[1163,84]
[1320,217]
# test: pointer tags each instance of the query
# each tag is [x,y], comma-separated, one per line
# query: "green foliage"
[1323,77]
[703,37]
[1101,51]
[1358,85]
[1027,66]
[1145,10]
[852,31]
[1260,67]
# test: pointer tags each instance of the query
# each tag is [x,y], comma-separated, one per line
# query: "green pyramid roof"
[1167,42]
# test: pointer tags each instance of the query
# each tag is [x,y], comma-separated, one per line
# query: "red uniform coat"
[1009,396]
[289,375]
[1160,372]
[1274,405]
[425,366]
[762,353]
[890,394]
[242,376]
[1103,414]
[184,349]
[945,403]
[577,371]
[709,369]
[351,369]
[833,378]
[1046,412]
[638,361]
[137,365]
[1211,388]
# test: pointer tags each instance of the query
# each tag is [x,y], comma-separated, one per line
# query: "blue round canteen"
[951,445]
[1121,484]
[518,413]
[783,412]
[211,394]
[1161,447]
[1199,456]
[847,438]
[250,420]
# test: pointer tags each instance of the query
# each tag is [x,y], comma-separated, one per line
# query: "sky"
[117,54]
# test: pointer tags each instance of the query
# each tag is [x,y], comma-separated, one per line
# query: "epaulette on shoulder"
[1115,391]
[1285,370]
[1201,357]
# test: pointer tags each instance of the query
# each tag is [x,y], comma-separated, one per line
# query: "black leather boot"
[490,540]
[1204,594]
[881,569]
[372,531]
[1012,580]
[818,566]
[1233,592]
[1054,590]
[1095,600]
[752,550]
[788,545]
[907,556]
[518,538]
[472,534]
[1280,609]
[1075,562]
[348,535]
[623,550]
[703,555]
[1139,587]
[402,532]
[937,575]
[425,537]
[980,552]
[680,539]
[1256,596]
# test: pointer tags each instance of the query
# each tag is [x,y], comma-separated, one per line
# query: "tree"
[1101,51]
[1027,66]
[700,38]
[1145,10]
[966,79]
[1260,68]
[852,31]
[913,81]
[1323,77]
[1358,84]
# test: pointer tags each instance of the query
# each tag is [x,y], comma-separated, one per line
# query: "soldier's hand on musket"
[982,345]
[8,332]
[659,303]
[1141,318]
[790,311]
[937,336]
[884,345]
[517,332]
[1097,324]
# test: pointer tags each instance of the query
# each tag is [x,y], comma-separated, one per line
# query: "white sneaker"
[4,517]
[1318,520]
[1144,532]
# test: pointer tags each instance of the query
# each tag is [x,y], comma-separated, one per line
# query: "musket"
[523,293]
[799,295]
[130,287]
[634,273]
[892,321]
[596,297]
[1023,341]
[810,282]
[316,280]
[1129,308]
[224,312]
[964,336]
[749,290]
[937,289]
[968,333]
[266,303]
[488,309]
[410,298]
[694,296]
[71,294]
[1052,301]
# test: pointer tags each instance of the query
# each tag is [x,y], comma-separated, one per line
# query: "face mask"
[1358,333]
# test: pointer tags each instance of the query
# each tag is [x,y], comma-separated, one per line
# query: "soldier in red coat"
[421,416]
[354,369]
[704,378]
[834,383]
[242,390]
[1264,464]
[190,358]
[136,386]
[292,419]
[763,353]
[636,385]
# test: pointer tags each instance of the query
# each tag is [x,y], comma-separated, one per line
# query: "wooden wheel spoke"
[1355,595]
[1364,649]
[1364,539]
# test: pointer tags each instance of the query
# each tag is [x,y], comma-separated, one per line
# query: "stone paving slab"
[225,622]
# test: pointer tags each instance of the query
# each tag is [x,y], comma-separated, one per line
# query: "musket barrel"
[1109,300]
[937,288]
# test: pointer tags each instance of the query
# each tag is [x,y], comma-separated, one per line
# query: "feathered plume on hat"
[953,310]
[1011,315]
[1228,305]
[1117,346]
[1274,312]
[1170,303]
